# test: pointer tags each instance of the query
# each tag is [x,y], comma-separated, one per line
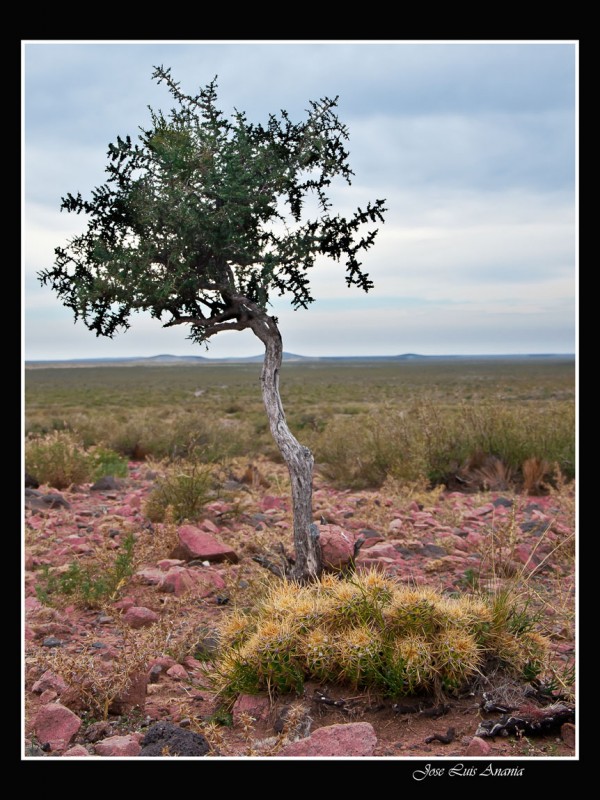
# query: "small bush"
[106,462]
[181,493]
[370,632]
[58,459]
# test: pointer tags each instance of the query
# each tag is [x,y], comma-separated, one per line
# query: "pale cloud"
[471,145]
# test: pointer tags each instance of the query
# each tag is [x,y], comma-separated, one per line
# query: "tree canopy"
[205,213]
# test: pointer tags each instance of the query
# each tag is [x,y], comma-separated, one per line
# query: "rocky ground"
[126,676]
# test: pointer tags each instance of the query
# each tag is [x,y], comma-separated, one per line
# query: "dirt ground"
[253,518]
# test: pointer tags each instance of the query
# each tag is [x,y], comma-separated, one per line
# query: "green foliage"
[181,493]
[205,217]
[106,462]
[370,632]
[60,459]
[91,584]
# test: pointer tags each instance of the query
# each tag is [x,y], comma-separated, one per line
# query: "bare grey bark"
[243,313]
[298,458]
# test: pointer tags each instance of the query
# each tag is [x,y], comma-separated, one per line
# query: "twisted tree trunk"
[298,458]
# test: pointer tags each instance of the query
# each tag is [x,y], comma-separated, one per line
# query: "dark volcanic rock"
[181,742]
[107,483]
[31,482]
[37,500]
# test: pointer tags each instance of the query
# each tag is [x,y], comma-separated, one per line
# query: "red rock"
[209,525]
[178,672]
[370,541]
[567,734]
[47,696]
[474,538]
[353,739]
[32,604]
[383,549]
[49,680]
[28,634]
[124,604]
[118,746]
[337,547]
[133,697]
[166,563]
[56,725]
[195,543]
[478,747]
[162,661]
[269,502]
[150,576]
[256,706]
[524,554]
[140,617]
[180,581]
[76,750]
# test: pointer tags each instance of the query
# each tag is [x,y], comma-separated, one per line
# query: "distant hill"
[166,359]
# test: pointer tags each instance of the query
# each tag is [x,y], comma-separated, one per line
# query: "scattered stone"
[503,501]
[76,750]
[48,696]
[150,576]
[49,680]
[353,739]
[118,746]
[181,580]
[337,547]
[177,671]
[35,500]
[478,747]
[164,738]
[97,731]
[198,544]
[140,617]
[107,483]
[255,706]
[56,725]
[433,550]
[51,641]
[133,697]
[567,734]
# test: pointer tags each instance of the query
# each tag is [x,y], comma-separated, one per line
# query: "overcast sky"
[473,145]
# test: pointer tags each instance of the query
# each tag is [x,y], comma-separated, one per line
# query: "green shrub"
[181,493]
[58,459]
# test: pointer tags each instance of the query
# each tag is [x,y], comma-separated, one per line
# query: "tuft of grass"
[181,492]
[90,585]
[368,631]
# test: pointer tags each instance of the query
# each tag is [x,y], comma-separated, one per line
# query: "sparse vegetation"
[494,424]
[60,459]
[89,584]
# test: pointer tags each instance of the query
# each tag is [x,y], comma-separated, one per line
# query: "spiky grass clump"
[369,632]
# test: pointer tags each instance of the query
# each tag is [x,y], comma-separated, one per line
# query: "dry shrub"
[535,470]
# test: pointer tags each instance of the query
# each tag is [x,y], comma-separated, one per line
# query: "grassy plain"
[364,420]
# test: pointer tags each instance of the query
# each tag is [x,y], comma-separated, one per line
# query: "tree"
[201,221]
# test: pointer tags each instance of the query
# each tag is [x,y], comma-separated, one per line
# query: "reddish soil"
[443,539]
